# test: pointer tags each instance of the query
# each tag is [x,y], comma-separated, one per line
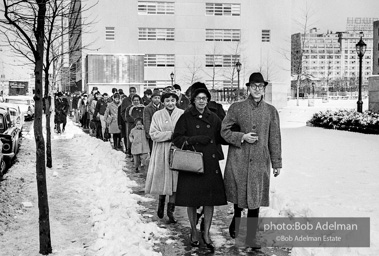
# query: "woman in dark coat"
[200,128]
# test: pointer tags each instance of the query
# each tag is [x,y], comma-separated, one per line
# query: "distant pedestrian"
[100,108]
[183,102]
[110,117]
[131,113]
[252,128]
[61,112]
[146,99]
[139,145]
[148,113]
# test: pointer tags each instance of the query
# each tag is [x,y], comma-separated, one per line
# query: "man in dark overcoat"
[255,146]
[61,111]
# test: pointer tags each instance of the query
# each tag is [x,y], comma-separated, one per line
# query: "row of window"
[163,83]
[211,60]
[222,35]
[336,62]
[367,57]
[168,34]
[351,74]
[168,8]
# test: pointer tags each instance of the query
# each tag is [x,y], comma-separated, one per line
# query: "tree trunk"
[297,90]
[49,159]
[43,206]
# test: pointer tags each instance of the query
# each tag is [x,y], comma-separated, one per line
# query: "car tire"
[2,167]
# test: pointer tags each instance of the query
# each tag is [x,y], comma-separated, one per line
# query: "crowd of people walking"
[146,128]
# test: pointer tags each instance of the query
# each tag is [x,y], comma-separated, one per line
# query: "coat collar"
[251,100]
[204,116]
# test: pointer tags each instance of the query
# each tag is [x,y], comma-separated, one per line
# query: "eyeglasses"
[258,86]
[201,98]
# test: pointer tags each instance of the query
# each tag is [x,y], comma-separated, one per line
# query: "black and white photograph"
[189,127]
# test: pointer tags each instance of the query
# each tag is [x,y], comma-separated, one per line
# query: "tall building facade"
[375,50]
[333,56]
[196,40]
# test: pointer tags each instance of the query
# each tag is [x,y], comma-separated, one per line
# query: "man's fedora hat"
[256,78]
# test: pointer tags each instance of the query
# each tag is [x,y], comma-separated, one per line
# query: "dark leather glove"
[199,139]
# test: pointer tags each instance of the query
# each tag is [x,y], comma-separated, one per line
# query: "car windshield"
[18,101]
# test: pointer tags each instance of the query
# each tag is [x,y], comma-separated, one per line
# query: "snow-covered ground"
[115,218]
[326,173]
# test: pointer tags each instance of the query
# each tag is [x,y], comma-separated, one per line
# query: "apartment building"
[375,50]
[196,40]
[333,56]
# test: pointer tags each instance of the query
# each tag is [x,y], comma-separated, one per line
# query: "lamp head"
[238,65]
[361,47]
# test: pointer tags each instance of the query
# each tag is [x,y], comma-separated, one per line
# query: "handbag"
[186,160]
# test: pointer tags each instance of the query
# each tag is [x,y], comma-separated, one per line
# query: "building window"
[164,34]
[110,33]
[222,9]
[159,60]
[154,7]
[157,83]
[222,35]
[265,35]
[221,60]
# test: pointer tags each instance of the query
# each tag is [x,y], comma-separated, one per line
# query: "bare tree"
[214,63]
[194,70]
[298,43]
[24,25]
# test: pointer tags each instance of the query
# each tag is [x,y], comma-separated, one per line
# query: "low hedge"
[348,120]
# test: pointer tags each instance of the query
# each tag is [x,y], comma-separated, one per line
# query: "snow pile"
[115,217]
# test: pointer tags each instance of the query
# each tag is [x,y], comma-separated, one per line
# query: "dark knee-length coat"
[200,189]
[247,170]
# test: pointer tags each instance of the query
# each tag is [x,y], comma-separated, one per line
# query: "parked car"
[9,136]
[26,104]
[17,116]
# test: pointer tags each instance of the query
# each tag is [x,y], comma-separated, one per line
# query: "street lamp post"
[361,49]
[172,78]
[238,66]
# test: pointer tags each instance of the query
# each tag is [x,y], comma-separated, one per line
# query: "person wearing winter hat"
[247,182]
[148,113]
[146,99]
[183,101]
[200,128]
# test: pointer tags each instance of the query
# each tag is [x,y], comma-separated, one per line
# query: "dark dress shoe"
[209,246]
[232,228]
[194,243]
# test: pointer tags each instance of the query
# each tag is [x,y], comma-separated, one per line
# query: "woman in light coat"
[161,180]
[110,116]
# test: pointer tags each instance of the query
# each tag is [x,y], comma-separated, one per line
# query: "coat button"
[214,156]
[211,141]
[216,171]
[254,127]
[197,126]
[208,126]
[251,160]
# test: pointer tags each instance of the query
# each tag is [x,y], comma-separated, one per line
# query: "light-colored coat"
[161,180]
[247,171]
[139,142]
[110,117]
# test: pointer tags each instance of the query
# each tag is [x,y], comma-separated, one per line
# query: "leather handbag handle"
[185,142]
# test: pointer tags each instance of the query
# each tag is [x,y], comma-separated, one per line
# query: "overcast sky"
[332,14]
